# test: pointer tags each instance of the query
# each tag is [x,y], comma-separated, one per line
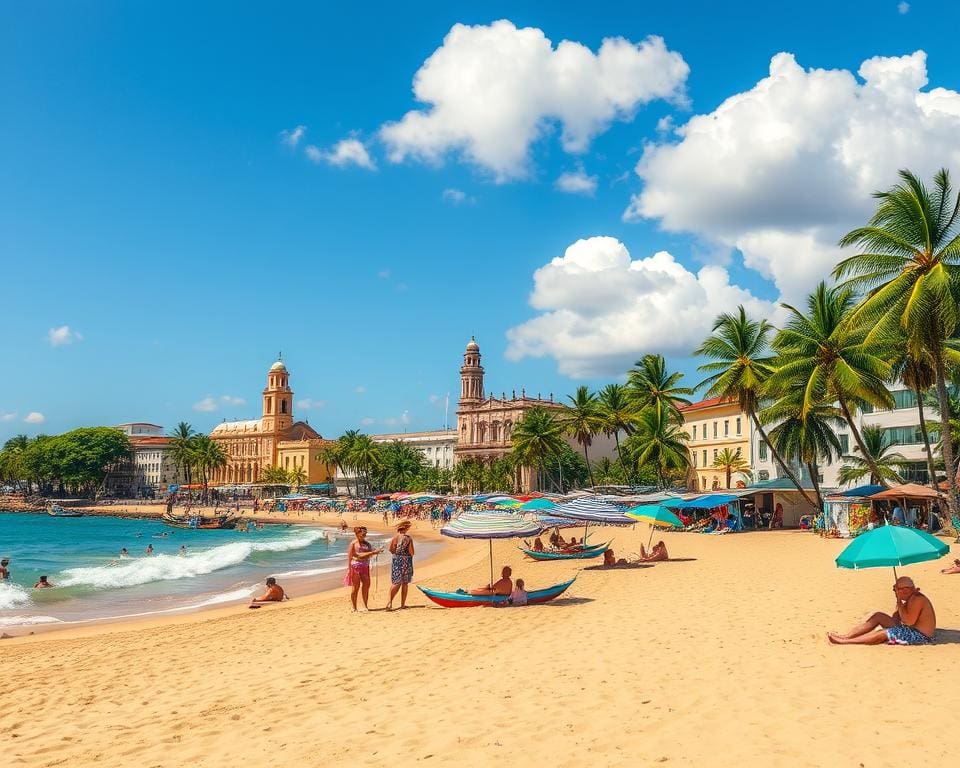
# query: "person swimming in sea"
[42,584]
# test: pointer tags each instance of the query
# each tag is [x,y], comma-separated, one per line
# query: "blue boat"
[464,600]
[583,554]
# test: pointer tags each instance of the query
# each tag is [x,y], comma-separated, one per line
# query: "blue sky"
[165,229]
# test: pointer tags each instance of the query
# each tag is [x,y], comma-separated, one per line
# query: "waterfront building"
[437,447]
[713,425]
[150,469]
[274,439]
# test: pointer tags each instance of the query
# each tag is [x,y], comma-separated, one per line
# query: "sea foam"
[13,596]
[144,570]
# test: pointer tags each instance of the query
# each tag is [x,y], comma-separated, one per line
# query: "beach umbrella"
[656,516]
[490,526]
[890,546]
[592,509]
[537,504]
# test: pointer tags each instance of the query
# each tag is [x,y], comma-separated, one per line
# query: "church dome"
[472,345]
[278,366]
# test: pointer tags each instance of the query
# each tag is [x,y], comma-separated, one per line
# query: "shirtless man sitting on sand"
[657,554]
[503,586]
[912,623]
[274,594]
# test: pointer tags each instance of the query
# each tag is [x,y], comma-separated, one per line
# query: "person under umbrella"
[913,622]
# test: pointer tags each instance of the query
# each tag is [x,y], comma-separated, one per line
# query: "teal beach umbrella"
[890,546]
[656,515]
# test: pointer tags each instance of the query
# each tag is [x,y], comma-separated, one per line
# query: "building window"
[726,427]
[844,444]
[714,430]
[908,435]
[714,455]
[763,475]
[694,431]
[694,458]
[739,429]
[704,457]
[762,451]
[739,452]
[283,406]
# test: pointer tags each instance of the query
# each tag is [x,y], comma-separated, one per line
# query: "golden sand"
[717,659]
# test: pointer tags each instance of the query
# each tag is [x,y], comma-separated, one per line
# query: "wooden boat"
[583,554]
[56,510]
[199,523]
[463,600]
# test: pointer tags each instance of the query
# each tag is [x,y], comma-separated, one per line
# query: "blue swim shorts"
[904,635]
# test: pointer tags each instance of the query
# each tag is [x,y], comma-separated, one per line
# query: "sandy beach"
[718,658]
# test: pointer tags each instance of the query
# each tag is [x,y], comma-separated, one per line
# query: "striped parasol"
[490,526]
[592,510]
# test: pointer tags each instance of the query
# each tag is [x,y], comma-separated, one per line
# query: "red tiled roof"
[708,403]
[149,440]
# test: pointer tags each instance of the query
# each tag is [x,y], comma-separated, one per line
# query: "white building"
[435,445]
[151,469]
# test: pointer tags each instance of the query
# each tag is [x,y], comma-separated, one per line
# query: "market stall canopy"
[861,490]
[906,491]
[710,501]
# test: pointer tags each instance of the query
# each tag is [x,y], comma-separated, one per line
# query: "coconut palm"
[883,465]
[207,456]
[617,414]
[738,346]
[536,439]
[658,441]
[805,434]
[731,462]
[400,465]
[275,476]
[331,456]
[914,367]
[345,452]
[827,357]
[909,262]
[297,477]
[181,450]
[582,420]
[364,456]
[650,385]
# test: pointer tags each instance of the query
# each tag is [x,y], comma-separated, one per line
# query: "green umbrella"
[655,515]
[891,545]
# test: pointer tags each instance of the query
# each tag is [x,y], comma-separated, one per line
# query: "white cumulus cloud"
[34,417]
[231,400]
[310,404]
[493,90]
[62,336]
[782,170]
[458,197]
[206,405]
[577,183]
[345,152]
[7,415]
[903,7]
[292,137]
[601,309]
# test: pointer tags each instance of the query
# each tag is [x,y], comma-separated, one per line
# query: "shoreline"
[451,555]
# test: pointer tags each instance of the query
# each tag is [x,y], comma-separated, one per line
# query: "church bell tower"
[277,399]
[471,375]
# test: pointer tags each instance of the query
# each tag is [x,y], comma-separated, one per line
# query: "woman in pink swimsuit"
[358,566]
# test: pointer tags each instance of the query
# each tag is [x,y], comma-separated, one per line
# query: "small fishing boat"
[55,510]
[197,522]
[464,600]
[584,554]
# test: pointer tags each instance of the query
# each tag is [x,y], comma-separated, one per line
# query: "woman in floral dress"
[401,568]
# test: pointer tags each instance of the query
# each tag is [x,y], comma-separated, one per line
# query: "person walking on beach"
[358,566]
[912,623]
[401,567]
[4,569]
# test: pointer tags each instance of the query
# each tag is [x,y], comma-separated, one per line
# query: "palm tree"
[345,445]
[828,358]
[741,367]
[731,462]
[207,456]
[805,434]
[364,456]
[659,441]
[883,464]
[331,456]
[536,438]
[400,466]
[275,476]
[608,472]
[181,450]
[581,419]
[297,476]
[910,264]
[617,414]
[649,385]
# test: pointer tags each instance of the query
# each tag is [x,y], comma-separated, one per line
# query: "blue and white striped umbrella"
[592,510]
[491,525]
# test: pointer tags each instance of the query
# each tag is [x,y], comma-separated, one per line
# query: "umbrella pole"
[585,533]
[490,541]
[650,540]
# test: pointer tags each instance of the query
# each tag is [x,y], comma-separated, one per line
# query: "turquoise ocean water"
[80,557]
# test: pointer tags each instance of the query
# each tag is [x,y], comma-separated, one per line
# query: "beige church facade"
[274,439]
[485,423]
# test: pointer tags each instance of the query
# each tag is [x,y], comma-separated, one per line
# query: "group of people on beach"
[42,582]
[361,551]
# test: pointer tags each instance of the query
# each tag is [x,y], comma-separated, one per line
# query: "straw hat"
[403,525]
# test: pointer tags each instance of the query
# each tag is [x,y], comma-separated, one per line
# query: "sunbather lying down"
[955,568]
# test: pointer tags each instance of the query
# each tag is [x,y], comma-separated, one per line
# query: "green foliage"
[883,465]
[537,439]
[659,442]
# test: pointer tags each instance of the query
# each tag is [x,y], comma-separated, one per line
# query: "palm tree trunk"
[616,437]
[858,439]
[945,438]
[589,468]
[729,473]
[776,456]
[926,442]
[814,478]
